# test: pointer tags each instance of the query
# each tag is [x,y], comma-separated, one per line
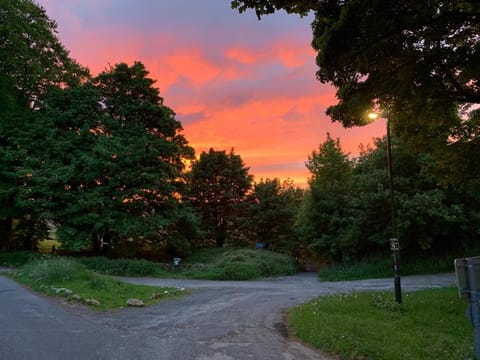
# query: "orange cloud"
[259,132]
[192,66]
[292,54]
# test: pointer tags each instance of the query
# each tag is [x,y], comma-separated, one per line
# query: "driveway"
[220,320]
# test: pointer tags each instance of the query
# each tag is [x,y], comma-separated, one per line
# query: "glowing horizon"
[233,81]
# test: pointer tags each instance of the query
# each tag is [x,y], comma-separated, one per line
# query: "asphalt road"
[219,320]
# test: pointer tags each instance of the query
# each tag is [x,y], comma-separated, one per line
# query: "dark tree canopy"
[346,214]
[113,160]
[407,57]
[327,208]
[32,62]
[31,56]
[270,211]
[218,184]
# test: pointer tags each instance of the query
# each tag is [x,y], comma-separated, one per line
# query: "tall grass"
[48,271]
[383,268]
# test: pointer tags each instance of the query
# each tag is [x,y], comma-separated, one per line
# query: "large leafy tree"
[218,185]
[31,56]
[326,211]
[430,219]
[32,61]
[346,214]
[107,173]
[10,113]
[270,212]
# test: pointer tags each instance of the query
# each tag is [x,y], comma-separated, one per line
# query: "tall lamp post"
[394,243]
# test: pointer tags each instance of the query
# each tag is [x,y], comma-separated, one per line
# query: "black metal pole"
[396,269]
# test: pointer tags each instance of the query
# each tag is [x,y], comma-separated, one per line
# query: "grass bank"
[429,325]
[69,279]
[207,264]
[237,264]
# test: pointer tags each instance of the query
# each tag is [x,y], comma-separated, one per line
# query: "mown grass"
[46,246]
[429,325]
[376,268]
[47,276]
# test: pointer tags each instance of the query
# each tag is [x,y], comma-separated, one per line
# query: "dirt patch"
[281,327]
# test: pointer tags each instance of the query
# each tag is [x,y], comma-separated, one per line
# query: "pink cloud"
[244,56]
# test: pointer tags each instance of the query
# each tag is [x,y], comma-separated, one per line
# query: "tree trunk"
[6,225]
[96,244]
[220,236]
[29,232]
[107,246]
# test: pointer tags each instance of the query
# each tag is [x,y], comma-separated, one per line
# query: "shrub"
[17,258]
[234,271]
[248,264]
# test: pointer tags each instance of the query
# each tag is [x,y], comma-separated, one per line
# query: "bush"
[119,267]
[246,265]
[17,258]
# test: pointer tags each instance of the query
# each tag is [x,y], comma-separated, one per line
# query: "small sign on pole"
[394,244]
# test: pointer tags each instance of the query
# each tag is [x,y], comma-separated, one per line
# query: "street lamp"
[394,243]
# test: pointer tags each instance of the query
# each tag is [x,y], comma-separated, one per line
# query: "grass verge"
[69,279]
[429,325]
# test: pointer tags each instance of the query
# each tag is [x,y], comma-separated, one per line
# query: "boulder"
[65,291]
[92,302]
[135,302]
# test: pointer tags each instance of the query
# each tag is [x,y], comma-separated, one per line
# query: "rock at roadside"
[92,302]
[65,291]
[135,302]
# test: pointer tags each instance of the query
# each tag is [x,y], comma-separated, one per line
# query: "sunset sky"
[233,81]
